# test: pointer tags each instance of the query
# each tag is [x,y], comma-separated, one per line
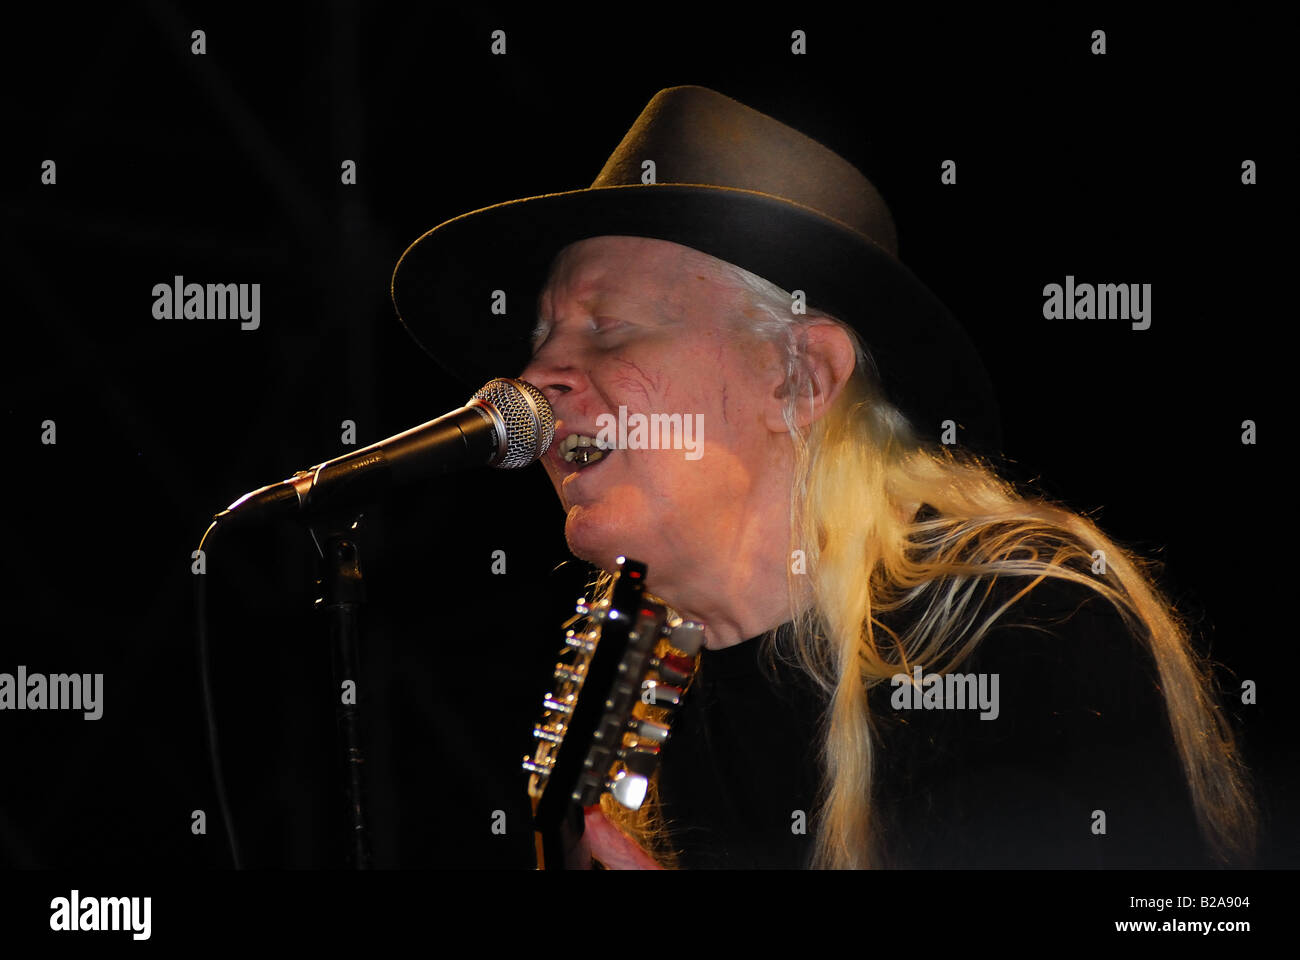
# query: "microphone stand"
[342,592]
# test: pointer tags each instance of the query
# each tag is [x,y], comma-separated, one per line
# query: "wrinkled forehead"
[634,272]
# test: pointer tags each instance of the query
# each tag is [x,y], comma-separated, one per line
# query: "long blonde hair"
[861,476]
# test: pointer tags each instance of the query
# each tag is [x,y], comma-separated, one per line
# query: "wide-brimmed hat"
[733,183]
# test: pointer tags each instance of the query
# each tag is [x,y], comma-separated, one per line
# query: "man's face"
[633,323]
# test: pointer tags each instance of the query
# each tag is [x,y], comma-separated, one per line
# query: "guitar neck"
[609,711]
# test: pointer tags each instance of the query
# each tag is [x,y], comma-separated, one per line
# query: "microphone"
[507,424]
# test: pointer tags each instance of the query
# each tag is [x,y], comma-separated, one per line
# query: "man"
[752,288]
[641,325]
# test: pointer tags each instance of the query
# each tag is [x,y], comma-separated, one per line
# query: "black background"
[225,168]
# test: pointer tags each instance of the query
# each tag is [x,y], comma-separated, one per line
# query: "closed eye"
[599,324]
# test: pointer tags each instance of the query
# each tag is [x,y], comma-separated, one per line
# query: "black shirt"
[1081,727]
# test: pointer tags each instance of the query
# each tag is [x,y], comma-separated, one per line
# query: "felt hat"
[733,183]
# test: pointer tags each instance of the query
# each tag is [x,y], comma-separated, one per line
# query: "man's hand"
[608,844]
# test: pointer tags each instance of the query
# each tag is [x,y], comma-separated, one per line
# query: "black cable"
[209,704]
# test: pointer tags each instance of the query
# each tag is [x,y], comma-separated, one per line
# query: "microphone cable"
[209,704]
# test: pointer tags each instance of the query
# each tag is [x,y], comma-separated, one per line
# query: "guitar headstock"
[623,672]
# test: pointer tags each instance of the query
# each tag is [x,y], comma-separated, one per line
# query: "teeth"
[582,449]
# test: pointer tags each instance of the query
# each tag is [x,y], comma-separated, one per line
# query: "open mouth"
[583,451]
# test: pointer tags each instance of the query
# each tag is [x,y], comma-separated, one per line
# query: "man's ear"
[826,359]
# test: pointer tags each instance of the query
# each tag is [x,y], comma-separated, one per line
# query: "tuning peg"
[549,733]
[568,673]
[663,694]
[649,730]
[688,637]
[676,670]
[641,759]
[629,789]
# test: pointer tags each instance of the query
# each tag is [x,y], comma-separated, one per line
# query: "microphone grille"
[528,418]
